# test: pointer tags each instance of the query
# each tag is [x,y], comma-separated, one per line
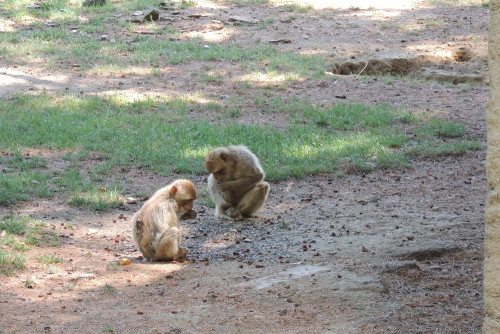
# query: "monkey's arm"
[188,215]
[250,179]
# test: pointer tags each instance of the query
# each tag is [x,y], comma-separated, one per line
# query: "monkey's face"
[220,174]
[184,193]
[218,162]
[218,168]
[185,205]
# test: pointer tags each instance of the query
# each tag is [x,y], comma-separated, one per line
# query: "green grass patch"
[216,78]
[56,33]
[97,199]
[17,234]
[438,127]
[134,134]
[426,149]
[245,3]
[297,7]
[63,49]
[108,329]
[21,186]
[11,262]
[13,225]
[21,247]
[204,198]
[23,163]
[49,259]
[109,289]
[42,238]
[349,117]
[112,266]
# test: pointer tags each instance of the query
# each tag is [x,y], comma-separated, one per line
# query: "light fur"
[235,183]
[156,225]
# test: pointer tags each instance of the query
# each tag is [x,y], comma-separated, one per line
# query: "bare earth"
[387,252]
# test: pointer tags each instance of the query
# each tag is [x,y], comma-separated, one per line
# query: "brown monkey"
[236,182]
[156,226]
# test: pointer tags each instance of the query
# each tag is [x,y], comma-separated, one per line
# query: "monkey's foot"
[234,214]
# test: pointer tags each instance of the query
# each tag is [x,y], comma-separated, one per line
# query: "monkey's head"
[184,193]
[218,162]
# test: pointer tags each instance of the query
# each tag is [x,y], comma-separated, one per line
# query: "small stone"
[131,200]
[242,19]
[86,276]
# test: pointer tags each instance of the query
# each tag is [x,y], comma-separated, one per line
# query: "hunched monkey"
[235,182]
[156,224]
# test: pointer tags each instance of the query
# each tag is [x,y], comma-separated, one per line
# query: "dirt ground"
[386,252]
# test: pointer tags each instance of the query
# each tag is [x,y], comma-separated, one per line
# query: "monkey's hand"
[191,214]
[223,186]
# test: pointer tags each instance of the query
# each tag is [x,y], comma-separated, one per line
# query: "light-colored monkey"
[156,224]
[235,182]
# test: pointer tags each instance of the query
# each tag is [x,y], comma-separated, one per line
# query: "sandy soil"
[386,252]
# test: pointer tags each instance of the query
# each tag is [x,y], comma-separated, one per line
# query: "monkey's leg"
[167,246]
[252,201]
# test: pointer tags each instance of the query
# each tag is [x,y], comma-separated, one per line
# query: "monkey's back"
[155,217]
[249,163]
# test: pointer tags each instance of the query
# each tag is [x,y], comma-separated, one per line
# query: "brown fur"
[156,224]
[236,182]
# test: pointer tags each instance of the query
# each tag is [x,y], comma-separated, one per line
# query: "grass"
[112,266]
[437,127]
[23,163]
[386,26]
[131,134]
[14,226]
[108,329]
[48,259]
[21,186]
[216,78]
[17,233]
[97,199]
[73,41]
[11,262]
[41,238]
[108,289]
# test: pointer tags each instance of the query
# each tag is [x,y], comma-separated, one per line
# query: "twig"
[366,61]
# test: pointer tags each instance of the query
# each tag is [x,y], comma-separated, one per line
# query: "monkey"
[235,182]
[156,225]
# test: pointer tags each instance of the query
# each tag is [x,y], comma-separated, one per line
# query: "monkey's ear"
[173,190]
[224,157]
